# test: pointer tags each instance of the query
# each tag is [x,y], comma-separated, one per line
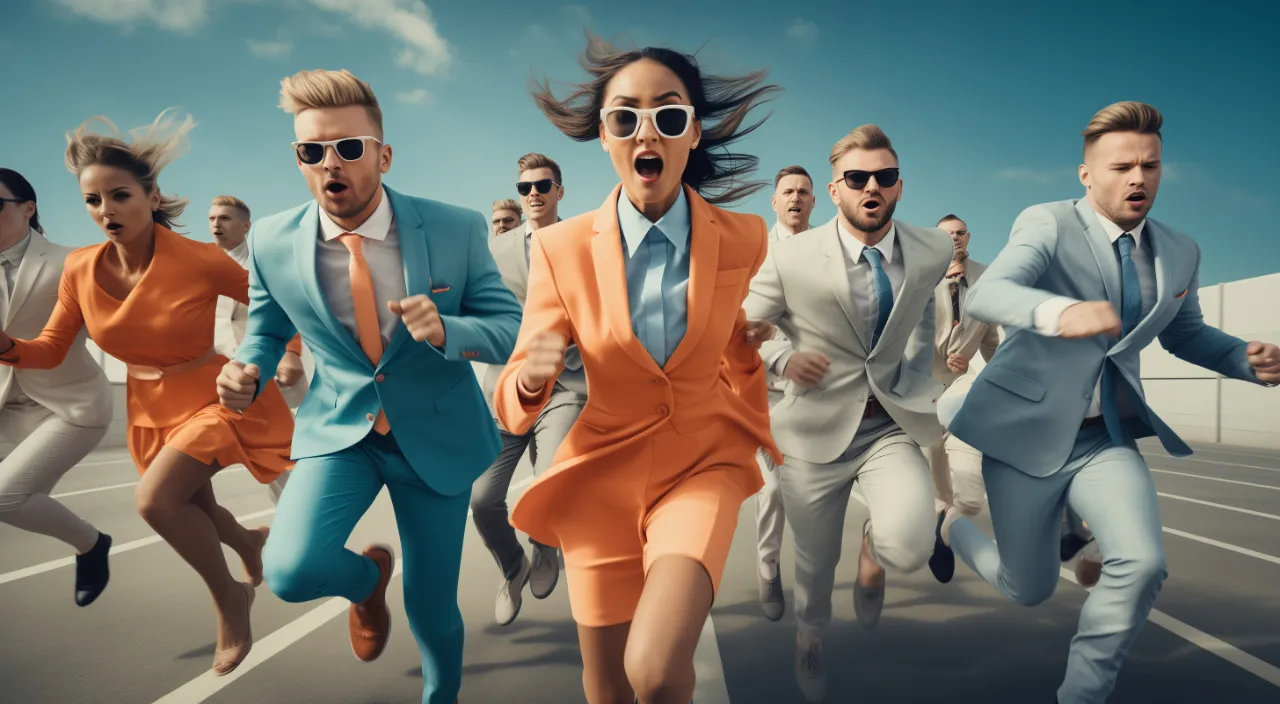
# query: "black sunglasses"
[348,149]
[543,185]
[858,179]
[10,200]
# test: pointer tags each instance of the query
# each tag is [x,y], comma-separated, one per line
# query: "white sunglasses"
[671,121]
[347,148]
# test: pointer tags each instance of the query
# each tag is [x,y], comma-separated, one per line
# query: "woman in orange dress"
[147,297]
[644,493]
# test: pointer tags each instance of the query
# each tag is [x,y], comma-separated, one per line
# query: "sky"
[984,106]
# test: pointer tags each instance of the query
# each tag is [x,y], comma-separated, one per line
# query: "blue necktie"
[884,291]
[653,333]
[1130,316]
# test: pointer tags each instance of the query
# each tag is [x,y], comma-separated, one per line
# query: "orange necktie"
[366,310]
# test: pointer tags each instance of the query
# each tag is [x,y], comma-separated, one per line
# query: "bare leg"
[246,542]
[166,501]
[664,633]
[604,679]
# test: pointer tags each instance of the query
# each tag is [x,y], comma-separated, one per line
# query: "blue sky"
[985,107]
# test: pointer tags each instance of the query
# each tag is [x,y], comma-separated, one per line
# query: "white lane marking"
[208,684]
[1217,479]
[710,686]
[1224,507]
[226,472]
[115,550]
[102,463]
[1225,546]
[1195,636]
[1214,463]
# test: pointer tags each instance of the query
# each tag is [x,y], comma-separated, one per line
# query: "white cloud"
[424,52]
[417,96]
[269,49]
[175,15]
[803,30]
[1042,176]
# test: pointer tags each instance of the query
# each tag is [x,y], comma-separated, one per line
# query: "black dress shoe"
[942,563]
[92,573]
[1069,545]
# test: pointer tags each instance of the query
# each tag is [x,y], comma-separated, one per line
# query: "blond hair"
[534,160]
[866,138]
[507,204]
[232,202]
[153,147]
[1127,116]
[320,88]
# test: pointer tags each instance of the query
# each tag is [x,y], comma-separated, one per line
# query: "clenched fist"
[958,363]
[289,371]
[236,385]
[1088,319]
[758,331]
[1264,357]
[543,361]
[421,317]
[806,369]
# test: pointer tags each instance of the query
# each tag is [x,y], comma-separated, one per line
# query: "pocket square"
[1184,292]
[441,289]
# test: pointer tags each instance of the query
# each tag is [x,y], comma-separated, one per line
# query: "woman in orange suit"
[643,495]
[147,297]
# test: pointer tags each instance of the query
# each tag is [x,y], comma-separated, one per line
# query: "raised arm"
[767,301]
[232,281]
[490,314]
[544,312]
[1188,338]
[1006,293]
[268,332]
[49,349]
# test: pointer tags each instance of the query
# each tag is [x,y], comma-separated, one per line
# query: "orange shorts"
[668,494]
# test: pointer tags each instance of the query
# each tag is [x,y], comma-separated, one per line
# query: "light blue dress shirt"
[657,267]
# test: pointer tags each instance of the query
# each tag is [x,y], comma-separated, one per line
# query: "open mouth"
[335,187]
[536,204]
[1136,198]
[871,206]
[649,167]
[794,210]
[114,226]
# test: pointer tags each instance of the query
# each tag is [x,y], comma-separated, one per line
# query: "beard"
[863,223]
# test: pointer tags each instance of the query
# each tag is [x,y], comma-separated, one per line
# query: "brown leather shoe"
[370,621]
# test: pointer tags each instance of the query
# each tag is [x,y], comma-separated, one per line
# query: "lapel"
[942,318]
[611,278]
[911,252]
[704,262]
[522,264]
[837,273]
[1103,253]
[413,255]
[28,271]
[1163,252]
[305,246]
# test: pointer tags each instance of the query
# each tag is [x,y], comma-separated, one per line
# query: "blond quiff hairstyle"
[232,202]
[866,138]
[1127,116]
[320,88]
[507,204]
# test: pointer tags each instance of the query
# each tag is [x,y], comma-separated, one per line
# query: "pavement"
[1214,636]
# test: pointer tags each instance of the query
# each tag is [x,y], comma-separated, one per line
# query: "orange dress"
[167,321]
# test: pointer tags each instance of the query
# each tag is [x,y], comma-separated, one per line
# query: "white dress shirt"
[1046,314]
[386,267]
[231,316]
[862,280]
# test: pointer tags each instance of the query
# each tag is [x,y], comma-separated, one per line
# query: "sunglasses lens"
[350,149]
[543,185]
[524,187]
[671,122]
[622,123]
[886,177]
[310,153]
[857,180]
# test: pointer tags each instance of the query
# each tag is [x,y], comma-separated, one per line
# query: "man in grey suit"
[793,201]
[855,299]
[1082,287]
[540,191]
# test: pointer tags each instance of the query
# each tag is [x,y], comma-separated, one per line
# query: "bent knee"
[11,502]
[293,574]
[152,506]
[1033,594]
[903,551]
[1148,569]
[653,676]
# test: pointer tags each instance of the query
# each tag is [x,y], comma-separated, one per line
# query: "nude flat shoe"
[226,660]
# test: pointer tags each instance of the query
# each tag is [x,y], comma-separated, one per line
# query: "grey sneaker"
[509,595]
[810,676]
[546,571]
[771,598]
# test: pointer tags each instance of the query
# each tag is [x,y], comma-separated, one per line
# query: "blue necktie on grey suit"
[884,291]
[1130,316]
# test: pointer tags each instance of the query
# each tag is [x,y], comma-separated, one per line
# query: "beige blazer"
[77,390]
[967,338]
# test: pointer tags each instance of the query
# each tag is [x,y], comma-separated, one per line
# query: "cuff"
[1046,314]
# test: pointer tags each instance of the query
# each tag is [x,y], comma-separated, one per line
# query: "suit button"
[379,378]
[862,399]
[660,381]
[664,411]
[1088,397]
[368,417]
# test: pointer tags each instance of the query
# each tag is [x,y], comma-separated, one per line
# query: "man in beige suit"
[229,222]
[540,190]
[54,417]
[793,202]
[855,299]
[506,216]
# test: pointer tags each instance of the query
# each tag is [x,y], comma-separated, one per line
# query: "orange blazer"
[578,289]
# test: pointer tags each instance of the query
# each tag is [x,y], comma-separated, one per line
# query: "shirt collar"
[885,245]
[240,252]
[635,226]
[14,254]
[528,231]
[375,228]
[1113,230]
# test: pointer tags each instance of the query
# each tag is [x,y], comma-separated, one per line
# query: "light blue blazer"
[1026,406]
[437,413]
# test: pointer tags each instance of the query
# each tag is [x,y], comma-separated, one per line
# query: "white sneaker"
[510,595]
[810,676]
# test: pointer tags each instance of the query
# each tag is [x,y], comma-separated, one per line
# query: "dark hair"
[21,189]
[712,171]
[792,171]
[949,216]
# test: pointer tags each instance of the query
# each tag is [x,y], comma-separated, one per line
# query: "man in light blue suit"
[394,296]
[1081,288]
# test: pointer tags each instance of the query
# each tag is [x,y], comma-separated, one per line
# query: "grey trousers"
[770,515]
[47,447]
[489,493]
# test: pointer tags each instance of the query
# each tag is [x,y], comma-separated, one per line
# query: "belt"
[149,373]
[1090,422]
[873,407]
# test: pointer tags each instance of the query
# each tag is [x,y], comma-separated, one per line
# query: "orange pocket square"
[1180,295]
[442,289]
